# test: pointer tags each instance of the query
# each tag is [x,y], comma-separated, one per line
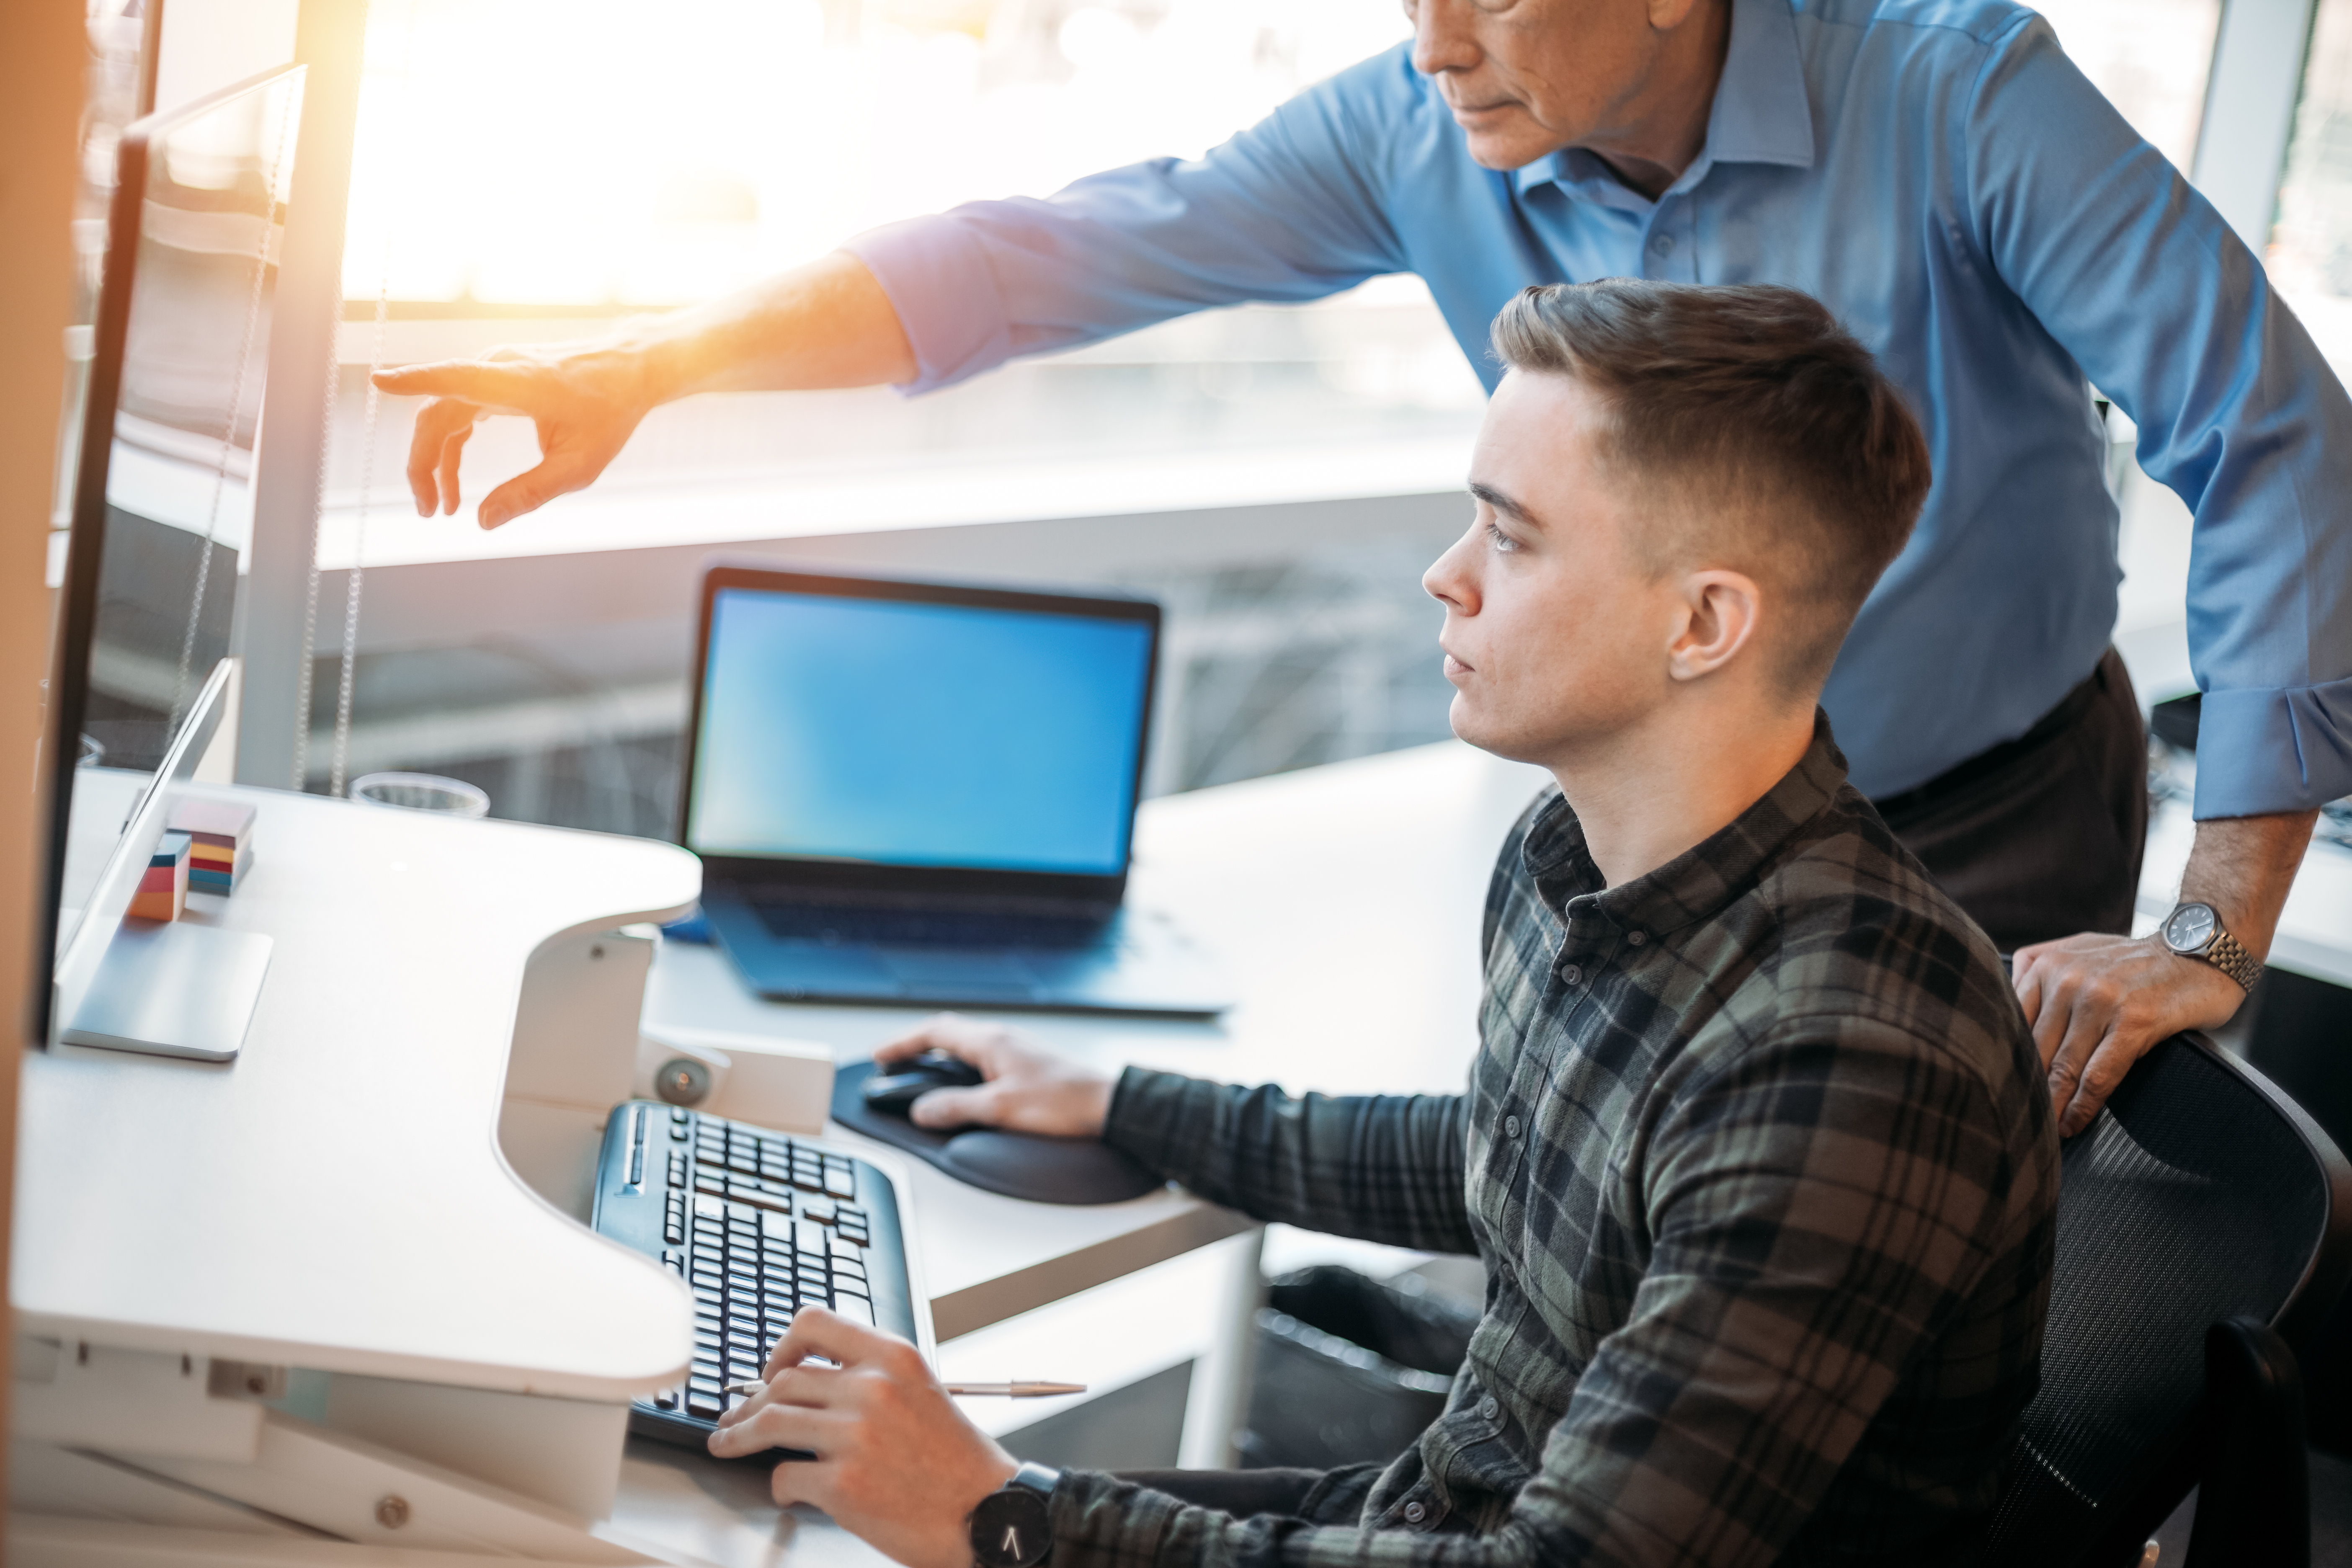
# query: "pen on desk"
[965,1390]
[1015,1390]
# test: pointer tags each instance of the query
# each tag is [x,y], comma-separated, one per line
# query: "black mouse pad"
[1018,1164]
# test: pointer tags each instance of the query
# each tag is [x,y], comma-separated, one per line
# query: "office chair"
[2204,1232]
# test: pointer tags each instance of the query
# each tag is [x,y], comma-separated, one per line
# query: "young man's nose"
[1450,582]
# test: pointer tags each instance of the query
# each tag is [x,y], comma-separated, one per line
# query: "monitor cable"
[274,185]
[338,758]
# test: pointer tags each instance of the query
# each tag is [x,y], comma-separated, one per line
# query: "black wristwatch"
[1013,1525]
[2194,930]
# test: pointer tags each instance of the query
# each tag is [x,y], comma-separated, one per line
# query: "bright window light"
[2311,247]
[606,153]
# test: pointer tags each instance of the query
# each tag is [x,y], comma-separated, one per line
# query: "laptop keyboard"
[888,926]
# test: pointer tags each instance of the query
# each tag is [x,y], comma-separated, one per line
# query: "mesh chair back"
[2201,1194]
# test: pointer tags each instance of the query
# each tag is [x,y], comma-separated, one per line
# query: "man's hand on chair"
[2097,1002]
[1027,1089]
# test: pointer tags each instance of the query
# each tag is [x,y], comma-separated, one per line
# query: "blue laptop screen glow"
[916,734]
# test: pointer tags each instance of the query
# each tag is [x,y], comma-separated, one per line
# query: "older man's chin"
[1511,140]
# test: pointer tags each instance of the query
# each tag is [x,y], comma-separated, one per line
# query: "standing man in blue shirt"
[1941,176]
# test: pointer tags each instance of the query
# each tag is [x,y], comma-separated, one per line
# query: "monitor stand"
[172,988]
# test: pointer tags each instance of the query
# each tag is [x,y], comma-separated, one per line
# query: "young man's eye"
[1503,542]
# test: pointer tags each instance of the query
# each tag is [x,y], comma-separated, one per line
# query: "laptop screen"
[919,735]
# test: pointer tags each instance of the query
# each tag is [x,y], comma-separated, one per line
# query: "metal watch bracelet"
[2226,953]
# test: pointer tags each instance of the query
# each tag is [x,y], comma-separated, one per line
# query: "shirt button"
[1489,1407]
[1572,976]
[1664,245]
[1510,1127]
[1415,1512]
[1636,937]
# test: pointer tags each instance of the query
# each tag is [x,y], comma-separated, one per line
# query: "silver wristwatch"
[2194,930]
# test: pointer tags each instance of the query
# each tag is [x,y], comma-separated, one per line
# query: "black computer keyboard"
[758,1226]
[887,925]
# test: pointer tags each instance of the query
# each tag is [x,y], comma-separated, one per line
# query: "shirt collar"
[1762,112]
[1703,880]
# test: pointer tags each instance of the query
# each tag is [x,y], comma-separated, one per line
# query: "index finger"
[805,1385]
[2026,978]
[949,1032]
[504,388]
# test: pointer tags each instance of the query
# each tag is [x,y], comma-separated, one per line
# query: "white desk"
[336,1199]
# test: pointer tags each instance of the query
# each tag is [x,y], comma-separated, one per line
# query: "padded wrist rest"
[1018,1164]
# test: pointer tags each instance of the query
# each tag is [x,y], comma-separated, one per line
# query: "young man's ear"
[1719,615]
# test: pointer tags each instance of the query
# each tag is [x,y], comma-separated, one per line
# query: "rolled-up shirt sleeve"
[2170,315]
[1289,210]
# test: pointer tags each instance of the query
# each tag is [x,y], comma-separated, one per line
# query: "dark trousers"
[2040,836]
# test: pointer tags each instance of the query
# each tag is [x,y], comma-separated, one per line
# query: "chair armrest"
[2253,1494]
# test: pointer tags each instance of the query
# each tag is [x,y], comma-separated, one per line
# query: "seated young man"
[1755,1148]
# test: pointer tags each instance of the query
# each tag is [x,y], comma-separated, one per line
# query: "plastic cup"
[420,792]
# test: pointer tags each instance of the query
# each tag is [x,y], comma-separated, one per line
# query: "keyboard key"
[841,1184]
[857,1307]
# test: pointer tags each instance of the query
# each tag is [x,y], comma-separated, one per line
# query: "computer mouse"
[894,1093]
[1018,1164]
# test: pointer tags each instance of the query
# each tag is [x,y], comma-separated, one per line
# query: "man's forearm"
[2244,866]
[826,324]
[1384,1168]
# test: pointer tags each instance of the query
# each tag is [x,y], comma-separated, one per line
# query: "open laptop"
[913,792]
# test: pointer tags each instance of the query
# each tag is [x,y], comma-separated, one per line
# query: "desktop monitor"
[163,508]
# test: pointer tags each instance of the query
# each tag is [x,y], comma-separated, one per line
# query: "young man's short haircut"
[1767,434]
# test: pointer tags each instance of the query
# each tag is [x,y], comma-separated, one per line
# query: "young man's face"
[1556,632]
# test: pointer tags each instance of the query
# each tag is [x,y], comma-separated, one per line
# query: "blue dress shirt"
[1941,176]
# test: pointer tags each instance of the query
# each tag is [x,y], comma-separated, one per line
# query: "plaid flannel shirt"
[1758,1155]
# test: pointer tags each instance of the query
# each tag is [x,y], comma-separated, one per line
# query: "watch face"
[1012,1528]
[2190,927]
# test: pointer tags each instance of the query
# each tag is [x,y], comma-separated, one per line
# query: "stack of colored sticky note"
[220,835]
[163,887]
